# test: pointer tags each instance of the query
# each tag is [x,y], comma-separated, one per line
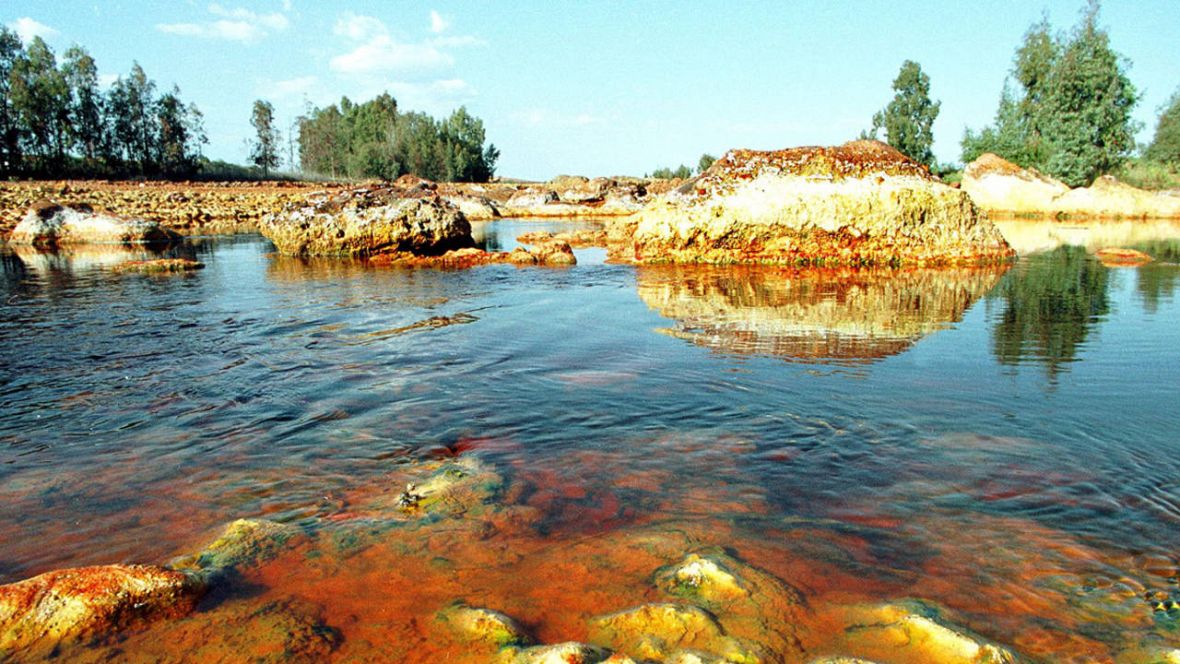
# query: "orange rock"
[91,602]
[1121,256]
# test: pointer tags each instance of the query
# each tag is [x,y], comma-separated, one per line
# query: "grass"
[1149,175]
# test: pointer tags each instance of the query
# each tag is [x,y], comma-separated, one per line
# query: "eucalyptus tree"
[908,119]
[264,150]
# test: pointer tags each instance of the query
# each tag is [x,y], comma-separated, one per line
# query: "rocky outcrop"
[241,543]
[584,238]
[366,221]
[915,631]
[90,602]
[51,225]
[999,186]
[159,266]
[483,626]
[659,631]
[860,203]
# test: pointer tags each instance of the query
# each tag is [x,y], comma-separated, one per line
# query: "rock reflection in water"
[84,257]
[847,316]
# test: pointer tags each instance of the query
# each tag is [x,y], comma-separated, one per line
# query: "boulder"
[857,204]
[50,225]
[656,631]
[91,602]
[915,631]
[159,266]
[997,185]
[570,652]
[483,626]
[242,543]
[475,208]
[363,221]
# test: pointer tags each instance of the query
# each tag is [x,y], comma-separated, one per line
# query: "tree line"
[1065,110]
[56,120]
[374,139]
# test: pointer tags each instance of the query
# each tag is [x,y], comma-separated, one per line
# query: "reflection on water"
[843,315]
[139,415]
[1036,236]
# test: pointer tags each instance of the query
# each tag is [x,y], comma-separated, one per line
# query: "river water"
[1001,442]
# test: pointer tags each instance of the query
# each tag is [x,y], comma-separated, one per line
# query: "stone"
[706,577]
[554,252]
[915,631]
[576,239]
[862,203]
[999,186]
[570,652]
[483,626]
[363,222]
[656,631]
[160,266]
[91,602]
[996,184]
[474,208]
[50,225]
[242,543]
[1121,256]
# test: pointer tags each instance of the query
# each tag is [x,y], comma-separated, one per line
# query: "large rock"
[859,203]
[50,225]
[657,631]
[915,631]
[242,543]
[997,185]
[364,221]
[90,602]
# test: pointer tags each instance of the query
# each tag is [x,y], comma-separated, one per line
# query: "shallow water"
[999,441]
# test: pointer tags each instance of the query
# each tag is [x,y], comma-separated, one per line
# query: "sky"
[595,87]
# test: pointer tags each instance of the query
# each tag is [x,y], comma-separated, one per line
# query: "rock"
[997,185]
[91,602]
[570,652]
[243,543]
[1115,256]
[915,631]
[856,204]
[705,577]
[483,626]
[362,222]
[656,631]
[160,266]
[431,491]
[50,225]
[474,208]
[554,252]
[533,199]
[1155,655]
[840,660]
[583,238]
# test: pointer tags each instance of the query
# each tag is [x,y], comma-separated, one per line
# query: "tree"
[1085,115]
[265,149]
[10,132]
[1071,116]
[40,100]
[705,162]
[1165,146]
[908,119]
[85,109]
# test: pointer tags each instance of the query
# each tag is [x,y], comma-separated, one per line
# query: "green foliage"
[375,140]
[264,149]
[1165,146]
[908,119]
[56,121]
[705,162]
[681,172]
[1148,174]
[1071,117]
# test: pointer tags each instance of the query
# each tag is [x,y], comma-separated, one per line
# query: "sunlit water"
[1002,442]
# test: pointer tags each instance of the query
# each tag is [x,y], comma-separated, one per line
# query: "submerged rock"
[705,577]
[915,631]
[998,185]
[91,602]
[483,626]
[243,543]
[362,222]
[159,266]
[1120,256]
[860,203]
[50,225]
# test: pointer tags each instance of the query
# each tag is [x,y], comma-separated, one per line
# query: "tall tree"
[1071,114]
[10,128]
[1165,146]
[85,110]
[908,119]
[265,147]
[41,101]
[1086,112]
[705,162]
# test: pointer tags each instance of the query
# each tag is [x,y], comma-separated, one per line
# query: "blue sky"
[595,87]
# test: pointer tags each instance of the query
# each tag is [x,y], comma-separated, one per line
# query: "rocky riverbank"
[999,186]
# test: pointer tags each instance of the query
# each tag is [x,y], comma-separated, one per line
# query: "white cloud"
[28,28]
[541,117]
[290,88]
[232,24]
[437,22]
[381,53]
